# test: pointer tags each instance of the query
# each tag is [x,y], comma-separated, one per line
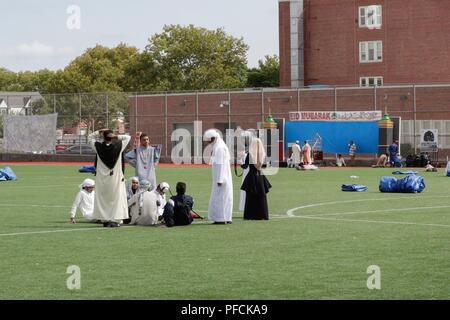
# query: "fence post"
[262,106]
[229,110]
[196,105]
[414,121]
[79,121]
[135,112]
[107,110]
[335,98]
[165,123]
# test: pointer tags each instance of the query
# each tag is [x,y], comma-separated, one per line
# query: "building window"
[370,81]
[371,51]
[370,17]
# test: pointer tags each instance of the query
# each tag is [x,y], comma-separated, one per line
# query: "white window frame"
[370,51]
[377,81]
[370,16]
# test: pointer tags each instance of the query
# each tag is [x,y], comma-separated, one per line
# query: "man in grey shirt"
[144,159]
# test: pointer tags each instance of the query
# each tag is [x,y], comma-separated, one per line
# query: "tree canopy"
[266,75]
[178,58]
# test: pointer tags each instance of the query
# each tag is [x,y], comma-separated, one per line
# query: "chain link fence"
[420,108]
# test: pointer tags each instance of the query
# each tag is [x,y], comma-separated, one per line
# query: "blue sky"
[34,33]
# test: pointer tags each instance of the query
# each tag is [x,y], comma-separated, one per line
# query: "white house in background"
[18,103]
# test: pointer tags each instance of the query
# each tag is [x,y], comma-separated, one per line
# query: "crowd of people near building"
[141,201]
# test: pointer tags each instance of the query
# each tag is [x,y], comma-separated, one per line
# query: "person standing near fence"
[393,151]
[306,153]
[144,159]
[296,151]
[110,203]
[352,150]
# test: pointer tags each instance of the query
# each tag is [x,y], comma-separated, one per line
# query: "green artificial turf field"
[318,242]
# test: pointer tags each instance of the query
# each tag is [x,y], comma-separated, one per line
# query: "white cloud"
[36,49]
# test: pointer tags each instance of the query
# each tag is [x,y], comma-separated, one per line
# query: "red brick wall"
[416,45]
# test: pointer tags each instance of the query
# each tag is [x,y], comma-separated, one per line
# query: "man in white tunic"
[296,151]
[84,201]
[143,159]
[220,209]
[110,203]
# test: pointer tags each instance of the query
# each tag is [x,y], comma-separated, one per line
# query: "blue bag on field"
[405,172]
[90,169]
[409,184]
[353,187]
[388,184]
[7,174]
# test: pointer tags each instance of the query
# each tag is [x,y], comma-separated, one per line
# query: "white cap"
[88,183]
[164,187]
[211,133]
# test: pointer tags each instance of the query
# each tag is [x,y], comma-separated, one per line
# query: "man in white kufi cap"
[220,209]
[160,193]
[84,201]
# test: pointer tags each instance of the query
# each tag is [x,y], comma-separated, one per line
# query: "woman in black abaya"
[255,184]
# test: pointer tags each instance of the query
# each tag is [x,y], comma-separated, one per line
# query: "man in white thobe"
[144,159]
[84,201]
[110,203]
[296,151]
[220,209]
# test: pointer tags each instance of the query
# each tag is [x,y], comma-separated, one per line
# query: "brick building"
[335,55]
[363,42]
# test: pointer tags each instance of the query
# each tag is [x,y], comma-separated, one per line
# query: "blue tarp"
[405,172]
[90,169]
[335,135]
[7,174]
[408,184]
[353,187]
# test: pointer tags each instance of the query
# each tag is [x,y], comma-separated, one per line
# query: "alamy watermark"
[185,143]
[73,282]
[73,21]
[374,280]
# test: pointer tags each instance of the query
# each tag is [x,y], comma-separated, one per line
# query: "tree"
[266,75]
[192,58]
[99,69]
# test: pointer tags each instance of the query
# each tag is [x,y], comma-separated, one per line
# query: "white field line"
[290,212]
[39,186]
[49,231]
[376,221]
[32,205]
[374,211]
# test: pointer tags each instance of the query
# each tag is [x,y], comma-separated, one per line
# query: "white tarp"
[34,134]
